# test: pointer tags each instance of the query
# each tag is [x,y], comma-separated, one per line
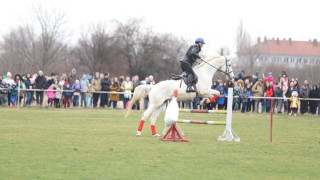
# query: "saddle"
[184,77]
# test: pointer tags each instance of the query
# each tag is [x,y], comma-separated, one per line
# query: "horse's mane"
[207,60]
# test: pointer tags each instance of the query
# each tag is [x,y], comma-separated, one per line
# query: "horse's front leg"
[209,93]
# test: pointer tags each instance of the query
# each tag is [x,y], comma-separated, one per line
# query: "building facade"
[276,52]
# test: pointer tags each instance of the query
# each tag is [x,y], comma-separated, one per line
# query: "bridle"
[227,72]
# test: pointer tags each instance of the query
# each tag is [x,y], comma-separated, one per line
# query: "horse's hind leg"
[145,116]
[153,120]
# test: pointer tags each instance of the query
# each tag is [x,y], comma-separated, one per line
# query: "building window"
[299,60]
[292,60]
[286,60]
[305,61]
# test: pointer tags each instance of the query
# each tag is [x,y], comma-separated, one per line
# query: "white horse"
[161,92]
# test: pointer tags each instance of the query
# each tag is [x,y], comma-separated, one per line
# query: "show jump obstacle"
[229,134]
[172,113]
[203,111]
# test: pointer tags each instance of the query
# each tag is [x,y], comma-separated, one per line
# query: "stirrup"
[190,89]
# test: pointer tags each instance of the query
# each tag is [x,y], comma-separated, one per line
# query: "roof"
[283,47]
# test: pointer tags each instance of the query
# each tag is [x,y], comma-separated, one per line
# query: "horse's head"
[220,64]
[228,68]
[225,66]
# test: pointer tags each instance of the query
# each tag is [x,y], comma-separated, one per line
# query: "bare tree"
[95,48]
[133,41]
[19,49]
[146,52]
[51,49]
[29,48]
[169,51]
[247,50]
[124,49]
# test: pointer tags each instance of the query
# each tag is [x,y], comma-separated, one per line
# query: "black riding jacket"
[191,55]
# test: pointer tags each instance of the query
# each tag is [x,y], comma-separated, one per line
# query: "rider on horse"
[188,59]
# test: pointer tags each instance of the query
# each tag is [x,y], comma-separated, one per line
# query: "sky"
[214,20]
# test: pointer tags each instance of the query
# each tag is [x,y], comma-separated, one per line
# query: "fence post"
[271,120]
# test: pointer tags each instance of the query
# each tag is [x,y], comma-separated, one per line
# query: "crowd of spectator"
[254,94]
[251,93]
[69,90]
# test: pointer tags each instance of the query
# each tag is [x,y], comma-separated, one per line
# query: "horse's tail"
[140,92]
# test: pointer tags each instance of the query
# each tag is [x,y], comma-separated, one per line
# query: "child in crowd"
[3,93]
[220,87]
[51,94]
[14,94]
[221,100]
[67,95]
[89,95]
[58,95]
[236,99]
[76,87]
[245,99]
[294,101]
[250,105]
[271,79]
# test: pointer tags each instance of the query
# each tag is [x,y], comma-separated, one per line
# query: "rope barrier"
[44,90]
[114,92]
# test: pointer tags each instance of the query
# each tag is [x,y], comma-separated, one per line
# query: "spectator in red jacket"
[269,93]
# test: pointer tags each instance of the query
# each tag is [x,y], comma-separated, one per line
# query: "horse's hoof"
[138,133]
[156,135]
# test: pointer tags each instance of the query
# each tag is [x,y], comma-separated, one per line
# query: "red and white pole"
[271,120]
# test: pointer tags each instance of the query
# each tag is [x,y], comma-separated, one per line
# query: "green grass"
[101,144]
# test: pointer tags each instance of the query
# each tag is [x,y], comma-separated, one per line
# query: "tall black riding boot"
[189,84]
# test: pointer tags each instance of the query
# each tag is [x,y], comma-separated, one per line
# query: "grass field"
[101,144]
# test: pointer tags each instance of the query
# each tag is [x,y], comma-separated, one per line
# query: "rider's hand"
[201,59]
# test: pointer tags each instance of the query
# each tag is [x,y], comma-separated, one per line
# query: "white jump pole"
[229,134]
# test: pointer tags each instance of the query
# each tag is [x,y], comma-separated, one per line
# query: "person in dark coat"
[255,77]
[40,83]
[304,93]
[51,81]
[314,93]
[105,86]
[240,75]
[29,85]
[3,93]
[188,59]
[319,101]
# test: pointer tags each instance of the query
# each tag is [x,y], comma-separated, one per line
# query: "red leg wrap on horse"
[153,129]
[214,98]
[141,125]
